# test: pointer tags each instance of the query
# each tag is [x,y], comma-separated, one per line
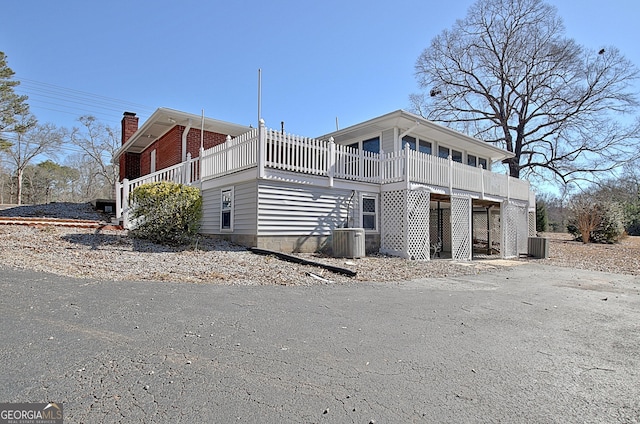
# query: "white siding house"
[418,189]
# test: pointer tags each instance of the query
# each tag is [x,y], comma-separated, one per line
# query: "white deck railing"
[293,153]
[233,155]
[187,172]
[262,148]
[297,154]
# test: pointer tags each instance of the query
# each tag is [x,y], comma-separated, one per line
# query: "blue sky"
[320,60]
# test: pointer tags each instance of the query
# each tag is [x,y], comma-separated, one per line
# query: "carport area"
[486,230]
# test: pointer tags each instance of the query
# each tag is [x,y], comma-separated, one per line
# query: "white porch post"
[125,203]
[118,193]
[382,168]
[229,155]
[332,161]
[450,175]
[187,169]
[262,148]
[482,180]
[503,230]
[407,159]
[200,156]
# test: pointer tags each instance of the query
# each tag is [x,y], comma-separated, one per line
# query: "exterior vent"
[538,247]
[348,243]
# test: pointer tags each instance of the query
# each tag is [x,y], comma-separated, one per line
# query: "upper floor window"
[371,145]
[482,162]
[445,152]
[411,141]
[422,146]
[472,160]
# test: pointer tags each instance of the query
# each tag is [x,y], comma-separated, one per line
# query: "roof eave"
[403,119]
[169,119]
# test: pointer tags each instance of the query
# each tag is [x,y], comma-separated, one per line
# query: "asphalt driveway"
[528,344]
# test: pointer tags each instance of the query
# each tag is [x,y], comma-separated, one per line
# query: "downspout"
[184,140]
[401,136]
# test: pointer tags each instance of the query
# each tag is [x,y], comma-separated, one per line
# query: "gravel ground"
[619,258]
[113,255]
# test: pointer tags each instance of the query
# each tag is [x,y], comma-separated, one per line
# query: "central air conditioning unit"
[538,247]
[348,243]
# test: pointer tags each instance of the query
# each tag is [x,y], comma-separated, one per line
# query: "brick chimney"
[129,125]
[129,162]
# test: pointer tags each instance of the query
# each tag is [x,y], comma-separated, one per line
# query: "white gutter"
[184,141]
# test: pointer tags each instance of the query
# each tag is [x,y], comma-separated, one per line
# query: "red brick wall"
[169,147]
[210,139]
[130,166]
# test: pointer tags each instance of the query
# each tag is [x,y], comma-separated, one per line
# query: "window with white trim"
[421,145]
[153,161]
[443,152]
[369,212]
[226,209]
[472,160]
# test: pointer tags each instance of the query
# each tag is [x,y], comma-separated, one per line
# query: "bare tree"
[89,184]
[507,74]
[27,144]
[99,143]
[586,214]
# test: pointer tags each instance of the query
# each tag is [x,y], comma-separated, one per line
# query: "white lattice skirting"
[515,229]
[405,224]
[461,228]
[418,240]
[393,225]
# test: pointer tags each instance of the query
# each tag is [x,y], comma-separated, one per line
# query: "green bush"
[632,217]
[542,223]
[166,212]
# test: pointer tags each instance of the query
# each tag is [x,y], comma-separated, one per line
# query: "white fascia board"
[166,115]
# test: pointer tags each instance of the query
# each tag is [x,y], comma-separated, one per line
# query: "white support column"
[482,180]
[450,175]
[503,230]
[118,193]
[407,159]
[187,169]
[229,154]
[332,161]
[382,168]
[125,203]
[262,147]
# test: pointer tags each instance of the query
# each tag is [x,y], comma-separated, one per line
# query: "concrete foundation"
[296,244]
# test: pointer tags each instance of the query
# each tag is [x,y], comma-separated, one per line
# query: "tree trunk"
[514,167]
[19,189]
